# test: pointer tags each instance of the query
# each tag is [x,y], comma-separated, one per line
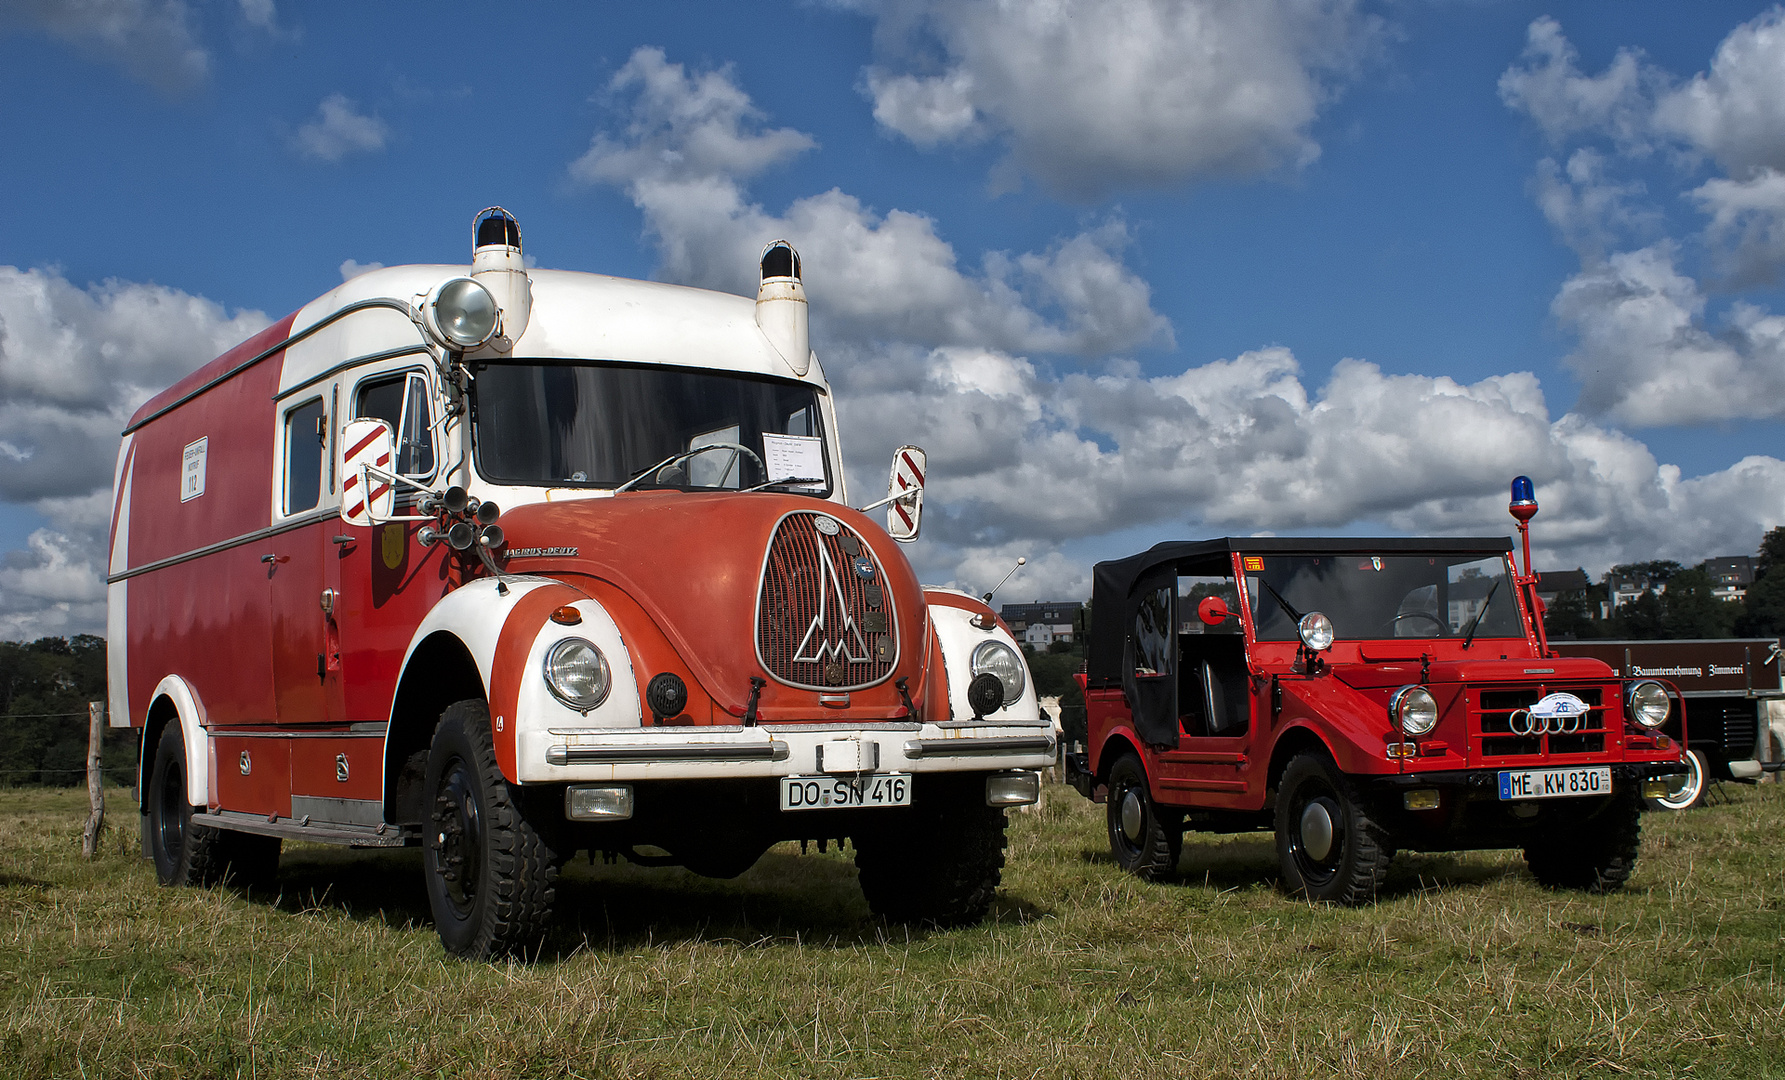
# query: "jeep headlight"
[577,673]
[1414,709]
[1316,631]
[1648,702]
[1001,660]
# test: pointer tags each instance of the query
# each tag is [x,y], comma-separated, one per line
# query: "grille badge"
[827,526]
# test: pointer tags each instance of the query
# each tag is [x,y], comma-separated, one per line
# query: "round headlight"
[1316,631]
[576,672]
[999,659]
[1414,710]
[1649,705]
[461,313]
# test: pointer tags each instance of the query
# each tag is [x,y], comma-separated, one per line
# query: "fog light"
[1013,789]
[1423,799]
[609,803]
[1662,787]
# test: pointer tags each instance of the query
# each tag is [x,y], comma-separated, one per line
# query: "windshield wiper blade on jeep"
[1475,623]
[1294,615]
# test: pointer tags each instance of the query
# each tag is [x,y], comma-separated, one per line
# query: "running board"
[380,835]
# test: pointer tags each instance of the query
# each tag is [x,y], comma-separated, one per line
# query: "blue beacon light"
[1524,499]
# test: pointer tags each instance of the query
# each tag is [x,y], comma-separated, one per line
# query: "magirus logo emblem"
[843,642]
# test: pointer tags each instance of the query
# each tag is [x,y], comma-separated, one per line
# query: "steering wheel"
[1443,627]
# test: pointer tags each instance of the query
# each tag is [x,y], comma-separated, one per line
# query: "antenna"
[1020,562]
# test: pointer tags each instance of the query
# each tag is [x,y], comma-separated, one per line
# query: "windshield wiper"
[787,480]
[1294,615]
[1475,623]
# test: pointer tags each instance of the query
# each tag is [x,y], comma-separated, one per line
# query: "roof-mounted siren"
[781,306]
[496,264]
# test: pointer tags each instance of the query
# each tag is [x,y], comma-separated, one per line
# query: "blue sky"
[1129,270]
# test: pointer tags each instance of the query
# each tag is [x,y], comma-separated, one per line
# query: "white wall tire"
[1691,793]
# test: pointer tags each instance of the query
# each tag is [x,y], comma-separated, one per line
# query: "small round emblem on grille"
[827,526]
[864,566]
[833,673]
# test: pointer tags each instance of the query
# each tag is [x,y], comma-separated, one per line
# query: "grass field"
[1465,967]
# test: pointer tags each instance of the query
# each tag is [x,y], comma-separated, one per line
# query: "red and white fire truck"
[513,563]
[1360,696]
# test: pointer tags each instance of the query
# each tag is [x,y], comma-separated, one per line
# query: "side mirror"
[904,490]
[365,498]
[1213,611]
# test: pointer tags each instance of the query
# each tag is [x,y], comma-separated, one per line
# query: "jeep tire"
[1142,841]
[490,874]
[1329,847]
[1595,853]
[941,864]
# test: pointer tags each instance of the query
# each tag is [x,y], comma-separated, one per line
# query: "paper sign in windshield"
[789,457]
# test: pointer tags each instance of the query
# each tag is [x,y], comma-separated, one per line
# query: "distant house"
[1553,583]
[1730,576]
[1039,625]
[1620,589]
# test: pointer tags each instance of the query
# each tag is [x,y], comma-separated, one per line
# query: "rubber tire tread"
[1369,846]
[1160,847]
[940,867]
[208,856]
[1595,855]
[514,902]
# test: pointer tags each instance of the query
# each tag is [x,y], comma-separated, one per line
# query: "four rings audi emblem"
[1557,714]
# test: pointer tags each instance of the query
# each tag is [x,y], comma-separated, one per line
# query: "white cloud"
[74,364]
[1736,111]
[338,130]
[1023,463]
[1093,96]
[258,13]
[352,268]
[1590,211]
[151,40]
[1549,86]
[690,141]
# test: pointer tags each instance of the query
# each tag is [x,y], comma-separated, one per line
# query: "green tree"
[1691,610]
[1570,617]
[1642,617]
[44,689]
[1763,610]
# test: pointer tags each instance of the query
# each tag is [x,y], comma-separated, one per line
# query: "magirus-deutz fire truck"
[510,563]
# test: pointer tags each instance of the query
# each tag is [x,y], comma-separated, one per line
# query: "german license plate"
[833,792]
[1554,783]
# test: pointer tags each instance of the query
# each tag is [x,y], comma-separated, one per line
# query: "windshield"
[1383,596]
[599,425]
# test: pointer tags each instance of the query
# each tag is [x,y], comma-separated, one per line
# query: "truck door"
[303,577]
[1214,721]
[1149,668]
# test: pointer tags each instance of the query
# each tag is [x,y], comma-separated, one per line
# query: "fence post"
[95,778]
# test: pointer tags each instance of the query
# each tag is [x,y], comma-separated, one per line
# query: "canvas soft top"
[1114,583]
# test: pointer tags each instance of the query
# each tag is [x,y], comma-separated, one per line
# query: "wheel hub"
[1134,815]
[1317,831]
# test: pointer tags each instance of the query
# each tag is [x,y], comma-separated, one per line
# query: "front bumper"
[773,750]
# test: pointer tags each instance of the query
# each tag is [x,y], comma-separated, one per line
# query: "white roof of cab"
[575,315]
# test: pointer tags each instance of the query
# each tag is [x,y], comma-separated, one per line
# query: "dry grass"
[1465,968]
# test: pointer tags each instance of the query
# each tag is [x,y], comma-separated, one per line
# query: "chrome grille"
[1493,714]
[821,623]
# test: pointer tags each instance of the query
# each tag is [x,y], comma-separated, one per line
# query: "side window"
[402,402]
[1154,635]
[1193,589]
[304,442]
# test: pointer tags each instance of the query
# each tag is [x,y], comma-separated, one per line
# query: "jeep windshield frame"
[1372,597]
[598,424]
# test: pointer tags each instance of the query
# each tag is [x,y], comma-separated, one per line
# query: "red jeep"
[1359,696]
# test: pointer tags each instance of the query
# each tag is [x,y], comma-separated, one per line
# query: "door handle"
[275,558]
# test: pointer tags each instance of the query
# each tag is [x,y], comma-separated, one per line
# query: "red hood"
[693,565]
[1400,672]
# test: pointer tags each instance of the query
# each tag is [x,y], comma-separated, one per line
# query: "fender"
[190,718]
[951,616]
[1356,744]
[497,630]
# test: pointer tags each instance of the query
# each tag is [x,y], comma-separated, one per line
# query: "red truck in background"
[1724,684]
[1359,696]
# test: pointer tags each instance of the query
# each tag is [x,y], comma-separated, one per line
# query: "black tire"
[1144,842]
[490,875]
[1692,792]
[1595,853]
[188,853]
[941,864]
[1329,847]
